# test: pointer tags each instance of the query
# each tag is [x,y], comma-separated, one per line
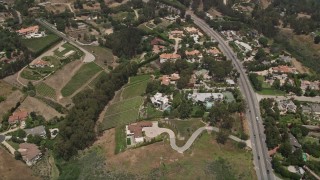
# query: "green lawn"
[121,140]
[80,78]
[45,90]
[289,118]
[271,91]
[104,56]
[30,74]
[136,87]
[37,45]
[94,81]
[13,144]
[122,112]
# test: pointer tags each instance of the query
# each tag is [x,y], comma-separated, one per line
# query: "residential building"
[18,116]
[315,85]
[158,48]
[294,143]
[202,74]
[312,109]
[166,79]
[134,131]
[39,130]
[160,101]
[244,46]
[30,153]
[286,106]
[193,56]
[214,51]
[205,97]
[39,64]
[193,30]
[169,57]
[28,30]
[156,41]
[283,69]
[230,82]
[177,33]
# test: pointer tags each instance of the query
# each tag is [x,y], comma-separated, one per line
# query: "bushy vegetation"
[88,106]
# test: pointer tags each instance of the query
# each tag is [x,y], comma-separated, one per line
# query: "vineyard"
[45,90]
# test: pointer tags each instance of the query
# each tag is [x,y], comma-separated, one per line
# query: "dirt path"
[86,84]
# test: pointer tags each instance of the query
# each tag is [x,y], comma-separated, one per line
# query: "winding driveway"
[155,131]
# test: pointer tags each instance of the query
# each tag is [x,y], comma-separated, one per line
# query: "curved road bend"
[257,136]
[88,56]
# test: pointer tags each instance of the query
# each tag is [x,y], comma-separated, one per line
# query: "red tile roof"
[192,53]
[170,56]
[20,115]
[136,128]
[31,29]
[157,41]
[29,151]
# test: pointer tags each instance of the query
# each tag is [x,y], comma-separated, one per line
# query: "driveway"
[2,138]
[155,131]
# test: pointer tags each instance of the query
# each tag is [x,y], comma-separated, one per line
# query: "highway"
[88,57]
[262,161]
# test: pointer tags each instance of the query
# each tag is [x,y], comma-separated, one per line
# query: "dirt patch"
[13,80]
[214,13]
[302,15]
[113,3]
[300,67]
[9,167]
[56,8]
[58,80]
[33,104]
[10,102]
[265,3]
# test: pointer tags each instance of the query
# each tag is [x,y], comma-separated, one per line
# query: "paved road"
[299,98]
[155,131]
[257,136]
[88,57]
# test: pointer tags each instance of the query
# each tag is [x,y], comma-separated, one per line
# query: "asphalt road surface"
[262,161]
[88,57]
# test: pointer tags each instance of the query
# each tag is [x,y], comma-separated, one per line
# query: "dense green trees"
[88,105]
[257,84]
[125,42]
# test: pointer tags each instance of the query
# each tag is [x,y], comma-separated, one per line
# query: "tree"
[185,109]
[263,41]
[260,54]
[257,84]
[222,137]
[285,149]
[17,155]
[21,133]
[276,84]
[296,158]
[317,39]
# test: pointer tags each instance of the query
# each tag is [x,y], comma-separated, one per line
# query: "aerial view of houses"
[159,89]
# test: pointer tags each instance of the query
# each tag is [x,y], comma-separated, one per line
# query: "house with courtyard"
[207,99]
[28,30]
[134,131]
[30,153]
[18,116]
[169,79]
[214,51]
[169,57]
[313,85]
[39,64]
[286,106]
[193,56]
[177,33]
[39,130]
[160,101]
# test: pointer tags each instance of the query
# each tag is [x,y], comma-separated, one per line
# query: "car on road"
[258,157]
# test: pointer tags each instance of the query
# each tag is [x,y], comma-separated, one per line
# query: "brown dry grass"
[11,169]
[5,88]
[33,104]
[59,79]
[11,101]
[300,67]
[265,3]
[161,156]
[57,8]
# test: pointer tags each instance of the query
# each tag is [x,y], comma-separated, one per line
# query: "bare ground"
[300,67]
[10,102]
[13,80]
[5,88]
[33,104]
[152,155]
[265,3]
[12,169]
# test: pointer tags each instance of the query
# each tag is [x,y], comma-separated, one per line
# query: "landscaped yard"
[267,89]
[45,90]
[80,78]
[122,112]
[121,139]
[37,45]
